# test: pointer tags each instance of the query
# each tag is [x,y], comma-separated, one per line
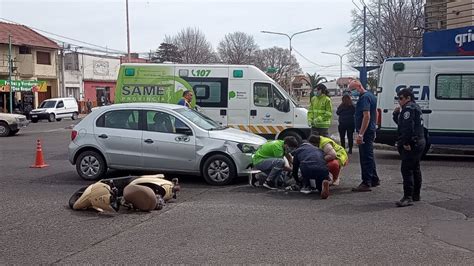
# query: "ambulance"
[444,89]
[237,96]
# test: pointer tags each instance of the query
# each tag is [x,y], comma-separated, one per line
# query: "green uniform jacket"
[320,112]
[341,154]
[270,149]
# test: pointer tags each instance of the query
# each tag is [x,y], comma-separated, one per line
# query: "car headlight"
[247,148]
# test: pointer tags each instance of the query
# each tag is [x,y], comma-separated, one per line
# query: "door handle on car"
[103,136]
[149,141]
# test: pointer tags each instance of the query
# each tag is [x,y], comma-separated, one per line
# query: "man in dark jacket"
[310,160]
[411,144]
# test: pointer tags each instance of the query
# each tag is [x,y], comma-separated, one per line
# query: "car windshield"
[199,119]
[48,104]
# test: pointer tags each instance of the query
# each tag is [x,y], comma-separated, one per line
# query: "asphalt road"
[236,223]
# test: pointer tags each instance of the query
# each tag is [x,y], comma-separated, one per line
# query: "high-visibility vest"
[341,154]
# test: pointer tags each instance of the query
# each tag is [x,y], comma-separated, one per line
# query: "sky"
[103,23]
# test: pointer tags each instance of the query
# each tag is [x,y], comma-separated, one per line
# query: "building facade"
[33,65]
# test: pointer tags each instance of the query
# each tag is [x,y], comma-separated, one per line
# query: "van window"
[60,104]
[267,95]
[454,87]
[124,119]
[210,92]
[162,122]
[48,104]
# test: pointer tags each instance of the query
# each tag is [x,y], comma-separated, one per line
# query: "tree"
[237,48]
[391,36]
[315,79]
[167,52]
[193,46]
[277,58]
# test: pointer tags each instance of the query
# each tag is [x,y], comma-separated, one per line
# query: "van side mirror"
[286,106]
[184,130]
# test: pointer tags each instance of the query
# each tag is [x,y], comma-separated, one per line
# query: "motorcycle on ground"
[144,193]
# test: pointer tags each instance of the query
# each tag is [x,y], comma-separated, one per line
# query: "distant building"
[343,83]
[34,67]
[448,14]
[301,86]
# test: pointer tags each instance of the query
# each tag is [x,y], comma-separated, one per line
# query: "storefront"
[99,92]
[24,93]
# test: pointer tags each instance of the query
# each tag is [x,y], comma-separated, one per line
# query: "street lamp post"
[290,37]
[340,60]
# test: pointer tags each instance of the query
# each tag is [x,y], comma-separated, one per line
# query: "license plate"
[34,116]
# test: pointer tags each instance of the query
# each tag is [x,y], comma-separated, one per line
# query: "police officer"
[410,143]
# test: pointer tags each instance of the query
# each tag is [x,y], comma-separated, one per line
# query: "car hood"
[11,116]
[236,135]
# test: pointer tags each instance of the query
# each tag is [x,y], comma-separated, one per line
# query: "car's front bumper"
[39,116]
[19,124]
[243,162]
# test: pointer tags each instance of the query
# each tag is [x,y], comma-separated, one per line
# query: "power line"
[308,59]
[64,37]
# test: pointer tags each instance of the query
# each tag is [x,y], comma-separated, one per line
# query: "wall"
[90,90]
[46,71]
[99,68]
[460,14]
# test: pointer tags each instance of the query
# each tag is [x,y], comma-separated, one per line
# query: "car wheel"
[59,119]
[51,117]
[74,116]
[13,132]
[90,165]
[4,129]
[291,133]
[218,170]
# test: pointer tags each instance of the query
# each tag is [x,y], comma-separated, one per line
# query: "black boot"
[404,202]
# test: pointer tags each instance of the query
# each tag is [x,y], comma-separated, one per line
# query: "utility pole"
[10,67]
[363,73]
[128,34]
[61,74]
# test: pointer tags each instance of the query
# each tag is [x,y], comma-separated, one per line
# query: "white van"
[55,109]
[444,89]
[238,96]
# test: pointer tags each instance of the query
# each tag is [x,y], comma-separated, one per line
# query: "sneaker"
[350,151]
[336,182]
[269,185]
[404,202]
[305,190]
[325,190]
[314,190]
[363,187]
[416,198]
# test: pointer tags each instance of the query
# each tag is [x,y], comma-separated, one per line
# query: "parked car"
[10,124]
[164,137]
[55,109]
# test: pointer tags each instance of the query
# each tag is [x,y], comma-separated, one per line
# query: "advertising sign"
[458,41]
[23,85]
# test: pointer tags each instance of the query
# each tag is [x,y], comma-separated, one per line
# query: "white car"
[10,124]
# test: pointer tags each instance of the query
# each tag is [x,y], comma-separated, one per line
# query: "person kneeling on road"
[310,161]
[269,159]
[334,154]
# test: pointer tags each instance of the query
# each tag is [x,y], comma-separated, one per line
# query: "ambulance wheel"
[291,133]
[218,170]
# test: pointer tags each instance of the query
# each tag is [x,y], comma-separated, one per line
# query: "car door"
[267,113]
[60,109]
[117,133]
[163,148]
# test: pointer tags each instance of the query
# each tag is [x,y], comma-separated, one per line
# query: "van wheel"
[291,133]
[218,170]
[74,116]
[59,119]
[34,120]
[4,129]
[51,117]
[90,165]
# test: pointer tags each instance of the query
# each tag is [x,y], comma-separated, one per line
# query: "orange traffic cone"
[39,162]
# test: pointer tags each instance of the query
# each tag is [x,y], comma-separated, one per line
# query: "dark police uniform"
[410,132]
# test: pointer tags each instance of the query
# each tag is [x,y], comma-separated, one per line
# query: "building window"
[43,58]
[25,50]
[71,61]
[72,92]
[455,87]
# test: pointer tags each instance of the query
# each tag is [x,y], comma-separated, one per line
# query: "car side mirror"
[184,130]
